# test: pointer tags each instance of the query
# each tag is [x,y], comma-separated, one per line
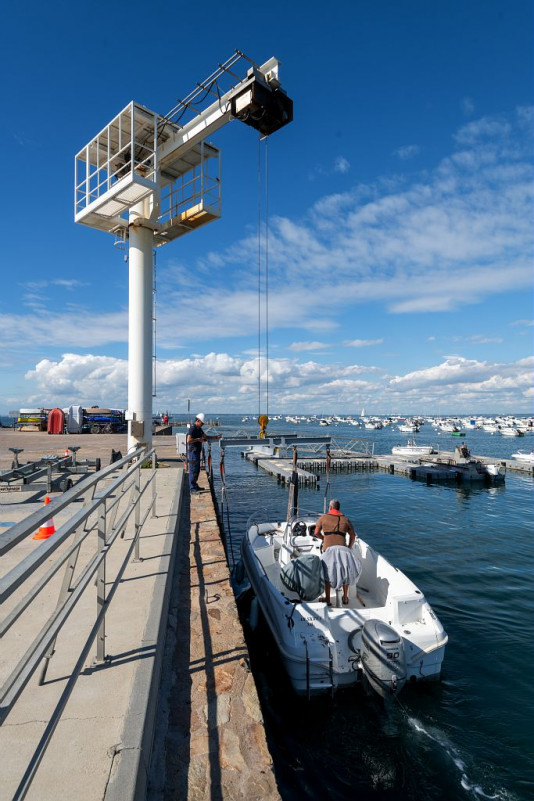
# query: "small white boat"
[409,428]
[521,456]
[412,449]
[386,636]
[510,431]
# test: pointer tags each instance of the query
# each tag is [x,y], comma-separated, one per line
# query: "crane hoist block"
[264,108]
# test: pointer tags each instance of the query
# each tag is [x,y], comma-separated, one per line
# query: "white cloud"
[454,237]
[223,383]
[479,376]
[297,347]
[407,152]
[341,165]
[80,328]
[362,343]
[468,107]
[481,339]
[89,380]
[486,128]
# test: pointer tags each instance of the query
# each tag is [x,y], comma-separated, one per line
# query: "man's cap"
[200,417]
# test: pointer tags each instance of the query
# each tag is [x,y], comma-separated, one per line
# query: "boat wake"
[473,789]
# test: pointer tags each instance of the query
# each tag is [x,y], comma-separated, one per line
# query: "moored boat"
[385,636]
[522,456]
[412,449]
[511,431]
[463,468]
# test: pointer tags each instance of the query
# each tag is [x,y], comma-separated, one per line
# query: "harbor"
[310,470]
[266,486]
[185,568]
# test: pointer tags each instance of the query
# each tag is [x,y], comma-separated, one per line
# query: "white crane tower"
[149,179]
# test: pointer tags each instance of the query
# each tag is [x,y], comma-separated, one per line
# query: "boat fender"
[352,637]
[239,572]
[254,614]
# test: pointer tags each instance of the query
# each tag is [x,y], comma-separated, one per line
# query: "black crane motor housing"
[264,108]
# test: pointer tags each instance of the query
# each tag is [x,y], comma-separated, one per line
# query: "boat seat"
[302,537]
[304,544]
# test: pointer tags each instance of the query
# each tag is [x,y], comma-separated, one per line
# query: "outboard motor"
[383,658]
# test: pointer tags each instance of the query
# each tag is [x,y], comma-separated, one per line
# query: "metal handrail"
[18,532]
[99,514]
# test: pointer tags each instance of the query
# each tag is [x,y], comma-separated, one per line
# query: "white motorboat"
[409,428]
[412,449]
[510,431]
[521,456]
[386,636]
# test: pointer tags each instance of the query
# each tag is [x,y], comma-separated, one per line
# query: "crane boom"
[258,100]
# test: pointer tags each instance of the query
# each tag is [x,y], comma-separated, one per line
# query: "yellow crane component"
[263,420]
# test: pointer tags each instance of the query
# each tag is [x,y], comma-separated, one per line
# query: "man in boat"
[342,566]
[195,438]
[464,451]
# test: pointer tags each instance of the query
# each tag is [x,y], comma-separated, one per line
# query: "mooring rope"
[226,507]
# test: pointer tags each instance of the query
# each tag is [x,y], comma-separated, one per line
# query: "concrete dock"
[172,712]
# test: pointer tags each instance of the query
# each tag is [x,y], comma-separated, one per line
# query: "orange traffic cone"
[66,452]
[48,528]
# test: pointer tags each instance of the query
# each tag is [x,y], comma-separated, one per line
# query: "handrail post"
[136,497]
[209,466]
[66,587]
[154,493]
[101,586]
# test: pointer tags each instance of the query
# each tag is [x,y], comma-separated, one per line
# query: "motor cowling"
[383,658]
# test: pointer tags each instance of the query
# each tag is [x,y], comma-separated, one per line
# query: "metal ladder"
[319,660]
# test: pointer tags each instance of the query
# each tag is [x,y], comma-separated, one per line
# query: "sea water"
[470,550]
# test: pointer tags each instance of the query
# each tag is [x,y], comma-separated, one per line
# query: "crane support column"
[140,330]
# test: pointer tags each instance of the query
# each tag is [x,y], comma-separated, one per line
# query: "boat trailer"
[49,474]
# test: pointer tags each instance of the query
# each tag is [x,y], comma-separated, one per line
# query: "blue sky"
[400,244]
